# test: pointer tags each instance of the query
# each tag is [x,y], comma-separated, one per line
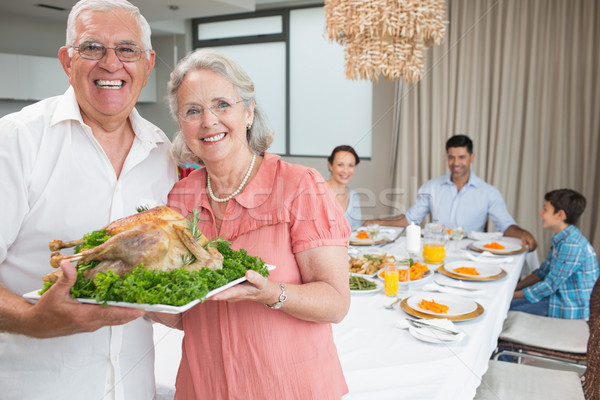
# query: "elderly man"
[68,165]
[461,198]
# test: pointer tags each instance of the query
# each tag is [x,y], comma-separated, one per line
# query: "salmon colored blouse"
[244,350]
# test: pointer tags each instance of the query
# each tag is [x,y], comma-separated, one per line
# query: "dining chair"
[555,340]
[505,380]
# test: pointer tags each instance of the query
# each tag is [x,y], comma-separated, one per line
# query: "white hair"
[259,135]
[107,5]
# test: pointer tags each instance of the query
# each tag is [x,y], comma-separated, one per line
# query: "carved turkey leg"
[141,244]
[205,257]
[57,258]
[56,244]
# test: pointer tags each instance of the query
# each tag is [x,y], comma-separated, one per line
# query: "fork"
[456,287]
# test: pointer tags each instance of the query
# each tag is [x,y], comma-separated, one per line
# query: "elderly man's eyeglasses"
[95,51]
[194,112]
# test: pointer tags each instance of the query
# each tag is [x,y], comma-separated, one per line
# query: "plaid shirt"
[568,276]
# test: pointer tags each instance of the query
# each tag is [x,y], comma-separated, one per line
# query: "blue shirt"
[353,213]
[470,208]
[568,276]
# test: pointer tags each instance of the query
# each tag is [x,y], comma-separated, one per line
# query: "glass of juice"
[390,281]
[403,267]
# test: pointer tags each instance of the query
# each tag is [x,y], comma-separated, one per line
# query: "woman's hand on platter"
[256,288]
[323,296]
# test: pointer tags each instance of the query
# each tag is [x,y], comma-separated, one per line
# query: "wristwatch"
[282,299]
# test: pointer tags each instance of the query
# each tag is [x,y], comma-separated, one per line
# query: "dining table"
[381,359]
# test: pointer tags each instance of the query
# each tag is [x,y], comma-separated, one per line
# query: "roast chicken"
[159,238]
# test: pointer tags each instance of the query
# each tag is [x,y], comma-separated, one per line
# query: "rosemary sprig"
[193,220]
[216,241]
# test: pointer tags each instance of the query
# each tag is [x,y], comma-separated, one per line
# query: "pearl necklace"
[239,189]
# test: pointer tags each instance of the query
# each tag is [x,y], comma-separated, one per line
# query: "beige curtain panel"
[520,77]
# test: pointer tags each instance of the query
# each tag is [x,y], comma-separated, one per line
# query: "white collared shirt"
[469,208]
[56,182]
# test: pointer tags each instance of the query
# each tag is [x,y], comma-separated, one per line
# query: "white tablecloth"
[381,361]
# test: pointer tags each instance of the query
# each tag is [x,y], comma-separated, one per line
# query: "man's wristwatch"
[282,299]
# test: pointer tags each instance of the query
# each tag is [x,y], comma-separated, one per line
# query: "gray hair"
[107,5]
[259,135]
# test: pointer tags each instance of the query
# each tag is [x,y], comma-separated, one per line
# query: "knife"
[419,324]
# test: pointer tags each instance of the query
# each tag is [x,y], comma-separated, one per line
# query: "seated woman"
[342,162]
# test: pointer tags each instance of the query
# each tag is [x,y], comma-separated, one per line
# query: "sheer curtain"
[520,77]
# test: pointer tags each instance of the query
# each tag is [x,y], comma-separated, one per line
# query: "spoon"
[391,306]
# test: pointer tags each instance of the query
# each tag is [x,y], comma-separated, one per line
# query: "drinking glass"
[390,280]
[373,231]
[403,267]
[457,233]
[434,244]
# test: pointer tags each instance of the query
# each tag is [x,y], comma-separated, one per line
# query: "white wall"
[22,36]
[371,178]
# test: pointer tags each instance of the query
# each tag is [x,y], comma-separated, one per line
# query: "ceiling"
[159,13]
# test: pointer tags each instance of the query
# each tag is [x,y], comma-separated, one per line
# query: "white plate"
[509,246]
[154,307]
[368,292]
[389,234]
[370,252]
[366,242]
[485,270]
[456,305]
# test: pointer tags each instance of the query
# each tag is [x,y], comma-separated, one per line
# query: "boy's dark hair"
[460,141]
[571,202]
[344,147]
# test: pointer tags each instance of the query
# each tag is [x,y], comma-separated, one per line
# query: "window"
[299,78]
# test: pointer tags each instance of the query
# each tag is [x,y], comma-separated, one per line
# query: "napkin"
[432,335]
[434,287]
[487,257]
[485,235]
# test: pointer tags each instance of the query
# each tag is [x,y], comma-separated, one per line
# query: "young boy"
[562,285]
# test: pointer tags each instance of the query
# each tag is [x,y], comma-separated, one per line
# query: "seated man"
[461,198]
[562,285]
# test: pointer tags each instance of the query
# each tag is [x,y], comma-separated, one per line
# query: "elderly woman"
[270,337]
[342,163]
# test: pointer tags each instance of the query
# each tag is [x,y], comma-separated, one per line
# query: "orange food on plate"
[362,235]
[433,306]
[466,270]
[416,272]
[494,246]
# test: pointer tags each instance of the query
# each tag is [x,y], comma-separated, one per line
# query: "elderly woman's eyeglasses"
[194,112]
[95,51]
